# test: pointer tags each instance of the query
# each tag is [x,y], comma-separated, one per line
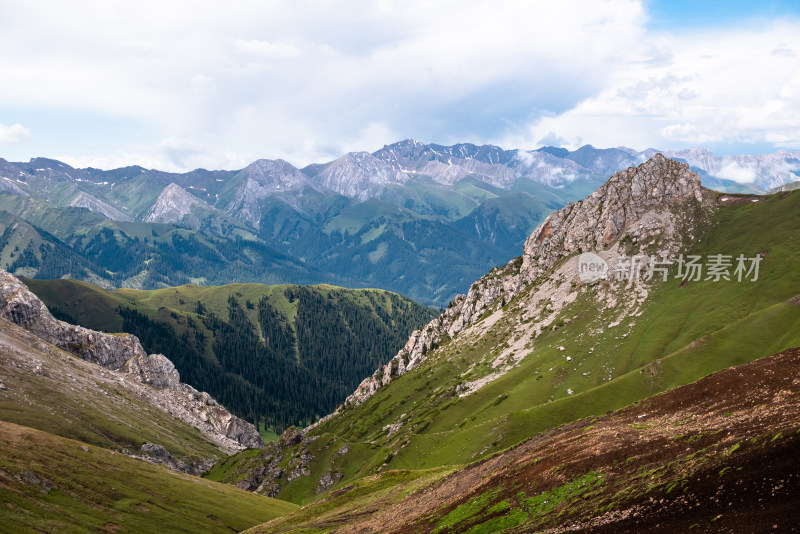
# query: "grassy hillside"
[280,354]
[506,221]
[51,391]
[717,455]
[584,364]
[53,484]
[31,251]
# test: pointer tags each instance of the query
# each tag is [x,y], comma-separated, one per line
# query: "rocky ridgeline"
[262,179]
[123,353]
[626,200]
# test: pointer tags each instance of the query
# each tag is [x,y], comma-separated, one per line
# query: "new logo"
[591,268]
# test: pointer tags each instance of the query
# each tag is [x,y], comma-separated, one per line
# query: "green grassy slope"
[506,221]
[683,334]
[426,197]
[53,484]
[29,251]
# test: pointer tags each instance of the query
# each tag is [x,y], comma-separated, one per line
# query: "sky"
[178,85]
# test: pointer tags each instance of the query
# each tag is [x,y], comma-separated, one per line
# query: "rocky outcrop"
[123,353]
[156,454]
[19,305]
[600,219]
[154,369]
[172,205]
[262,474]
[328,480]
[625,200]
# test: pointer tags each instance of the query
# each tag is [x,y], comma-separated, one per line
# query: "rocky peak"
[647,193]
[407,154]
[447,164]
[123,353]
[490,154]
[172,205]
[360,175]
[266,178]
[269,168]
[600,219]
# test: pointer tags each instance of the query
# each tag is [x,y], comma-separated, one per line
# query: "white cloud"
[726,86]
[14,134]
[267,49]
[782,50]
[737,173]
[308,80]
[279,78]
[170,155]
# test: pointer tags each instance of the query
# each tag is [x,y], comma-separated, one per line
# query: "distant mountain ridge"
[363,175]
[387,219]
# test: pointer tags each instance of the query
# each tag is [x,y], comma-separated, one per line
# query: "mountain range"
[423,220]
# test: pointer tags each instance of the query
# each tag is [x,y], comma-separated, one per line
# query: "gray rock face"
[156,454]
[153,369]
[360,175]
[455,169]
[7,185]
[597,221]
[84,200]
[19,305]
[124,353]
[172,205]
[156,450]
[263,474]
[328,480]
[266,178]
